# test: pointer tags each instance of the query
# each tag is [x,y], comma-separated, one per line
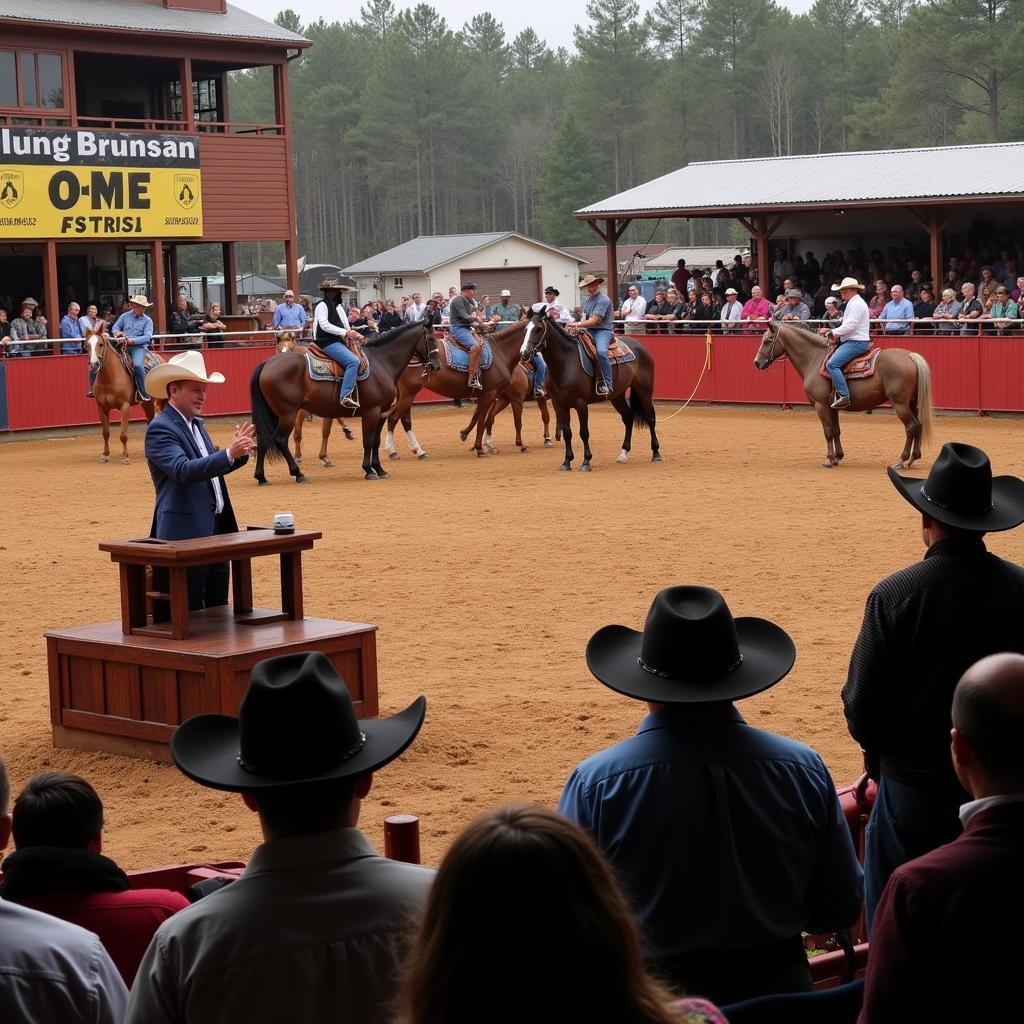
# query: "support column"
[291,264]
[159,296]
[230,276]
[764,267]
[188,110]
[172,282]
[610,239]
[935,229]
[281,115]
[51,294]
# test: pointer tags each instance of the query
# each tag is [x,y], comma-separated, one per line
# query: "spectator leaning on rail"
[757,308]
[505,311]
[954,915]
[728,841]
[1000,313]
[795,307]
[71,331]
[313,930]
[59,868]
[634,308]
[897,312]
[26,331]
[922,628]
[970,310]
[51,970]
[135,329]
[946,313]
[289,315]
[731,311]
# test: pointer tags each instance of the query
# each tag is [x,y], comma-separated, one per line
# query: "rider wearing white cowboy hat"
[852,334]
[135,330]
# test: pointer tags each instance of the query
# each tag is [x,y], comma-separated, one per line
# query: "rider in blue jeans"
[330,329]
[853,335]
[135,329]
[597,318]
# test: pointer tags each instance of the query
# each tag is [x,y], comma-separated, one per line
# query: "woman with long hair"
[525,922]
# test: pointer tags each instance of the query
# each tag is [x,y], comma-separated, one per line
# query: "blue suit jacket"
[185,501]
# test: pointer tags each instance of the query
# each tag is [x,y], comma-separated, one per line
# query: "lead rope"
[708,344]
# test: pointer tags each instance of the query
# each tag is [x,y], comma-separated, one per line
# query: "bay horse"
[437,376]
[901,377]
[287,342]
[572,388]
[114,388]
[519,388]
[280,387]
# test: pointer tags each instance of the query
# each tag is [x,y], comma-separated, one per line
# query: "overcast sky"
[554,23]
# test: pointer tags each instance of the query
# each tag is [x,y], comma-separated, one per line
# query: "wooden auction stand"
[123,687]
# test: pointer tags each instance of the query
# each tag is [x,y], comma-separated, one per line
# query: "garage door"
[523,282]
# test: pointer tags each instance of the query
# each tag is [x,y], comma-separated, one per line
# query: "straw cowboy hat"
[188,365]
[848,282]
[961,492]
[332,284]
[591,279]
[691,651]
[296,726]
[140,300]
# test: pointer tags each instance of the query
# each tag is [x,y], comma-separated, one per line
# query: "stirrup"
[475,382]
[841,402]
[604,388]
[349,401]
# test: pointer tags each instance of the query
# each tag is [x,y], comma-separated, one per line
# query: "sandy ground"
[486,578]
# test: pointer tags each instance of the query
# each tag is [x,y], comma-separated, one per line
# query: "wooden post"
[291,265]
[612,264]
[188,110]
[935,253]
[51,295]
[172,284]
[159,296]
[764,267]
[230,276]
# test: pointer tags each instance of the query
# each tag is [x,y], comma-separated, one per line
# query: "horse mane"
[810,332]
[383,339]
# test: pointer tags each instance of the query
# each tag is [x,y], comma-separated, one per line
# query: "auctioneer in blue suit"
[188,470]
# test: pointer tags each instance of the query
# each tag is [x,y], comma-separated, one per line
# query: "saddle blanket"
[856,368]
[149,360]
[327,369]
[458,359]
[618,352]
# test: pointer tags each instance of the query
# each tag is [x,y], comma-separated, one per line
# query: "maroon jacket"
[948,935]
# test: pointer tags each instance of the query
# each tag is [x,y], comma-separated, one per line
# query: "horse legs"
[105,424]
[284,428]
[517,418]
[542,404]
[484,404]
[300,419]
[564,425]
[373,424]
[468,429]
[624,411]
[325,434]
[912,448]
[126,410]
[584,416]
[830,426]
[501,404]
[837,444]
[410,438]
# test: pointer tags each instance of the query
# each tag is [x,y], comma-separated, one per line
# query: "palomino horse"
[114,388]
[287,342]
[901,377]
[571,387]
[437,376]
[281,386]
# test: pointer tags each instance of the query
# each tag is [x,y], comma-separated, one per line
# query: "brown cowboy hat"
[296,726]
[592,279]
[691,651]
[332,284]
[961,492]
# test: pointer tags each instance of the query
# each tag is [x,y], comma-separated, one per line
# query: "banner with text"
[78,183]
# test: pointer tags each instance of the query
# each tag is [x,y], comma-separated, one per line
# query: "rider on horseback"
[597,318]
[464,313]
[134,330]
[331,328]
[852,335]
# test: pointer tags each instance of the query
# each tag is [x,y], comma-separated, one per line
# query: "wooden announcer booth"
[124,686]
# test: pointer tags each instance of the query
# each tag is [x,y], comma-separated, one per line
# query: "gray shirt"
[310,932]
[599,305]
[461,309]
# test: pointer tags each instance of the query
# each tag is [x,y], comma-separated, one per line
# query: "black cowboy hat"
[961,492]
[296,726]
[691,651]
[333,284]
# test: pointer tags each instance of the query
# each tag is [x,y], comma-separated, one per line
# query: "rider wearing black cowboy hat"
[728,839]
[330,329]
[312,928]
[923,628]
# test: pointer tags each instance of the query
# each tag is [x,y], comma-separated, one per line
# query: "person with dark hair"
[313,930]
[526,922]
[956,912]
[58,868]
[922,628]
[728,840]
[51,970]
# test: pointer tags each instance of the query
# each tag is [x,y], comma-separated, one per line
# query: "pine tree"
[568,181]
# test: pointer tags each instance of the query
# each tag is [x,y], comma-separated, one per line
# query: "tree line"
[406,125]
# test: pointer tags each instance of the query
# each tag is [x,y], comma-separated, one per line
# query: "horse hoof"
[827,464]
[349,435]
[394,455]
[382,474]
[623,458]
[565,467]
[481,455]
[263,483]
[302,479]
[463,434]
[370,476]
[525,448]
[328,464]
[298,458]
[104,458]
[126,462]
[421,455]
[585,468]
[656,457]
[548,443]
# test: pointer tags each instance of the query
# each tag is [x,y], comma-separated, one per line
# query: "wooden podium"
[123,687]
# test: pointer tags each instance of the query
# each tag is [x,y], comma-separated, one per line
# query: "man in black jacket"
[923,627]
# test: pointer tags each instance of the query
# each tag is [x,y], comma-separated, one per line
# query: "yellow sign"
[86,184]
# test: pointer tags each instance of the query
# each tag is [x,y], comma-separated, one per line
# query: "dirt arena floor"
[486,578]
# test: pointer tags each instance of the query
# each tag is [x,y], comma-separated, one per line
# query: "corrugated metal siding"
[830,178]
[244,187]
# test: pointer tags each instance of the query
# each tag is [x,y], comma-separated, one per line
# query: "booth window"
[205,100]
[31,81]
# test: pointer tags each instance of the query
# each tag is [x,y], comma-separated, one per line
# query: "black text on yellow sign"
[90,202]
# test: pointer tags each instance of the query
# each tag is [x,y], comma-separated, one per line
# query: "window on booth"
[31,80]
[205,100]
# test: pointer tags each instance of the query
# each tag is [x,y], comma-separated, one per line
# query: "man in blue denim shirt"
[135,329]
[728,840]
[597,318]
[897,312]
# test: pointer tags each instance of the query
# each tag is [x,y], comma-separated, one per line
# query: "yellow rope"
[707,366]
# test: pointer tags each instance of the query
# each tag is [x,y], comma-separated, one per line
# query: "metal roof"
[426,252]
[696,256]
[149,16]
[895,176]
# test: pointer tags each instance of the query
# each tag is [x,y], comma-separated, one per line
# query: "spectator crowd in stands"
[683,864]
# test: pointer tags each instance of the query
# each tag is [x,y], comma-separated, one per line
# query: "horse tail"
[636,407]
[925,410]
[263,416]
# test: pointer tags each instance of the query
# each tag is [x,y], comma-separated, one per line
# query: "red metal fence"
[977,374]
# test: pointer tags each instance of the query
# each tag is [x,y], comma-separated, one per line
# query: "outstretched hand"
[243,442]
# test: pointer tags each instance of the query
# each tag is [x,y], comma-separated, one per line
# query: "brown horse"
[287,342]
[571,387]
[281,386]
[437,376]
[519,388]
[114,388]
[901,377]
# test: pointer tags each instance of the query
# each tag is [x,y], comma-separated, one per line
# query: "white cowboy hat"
[139,300]
[184,366]
[847,282]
